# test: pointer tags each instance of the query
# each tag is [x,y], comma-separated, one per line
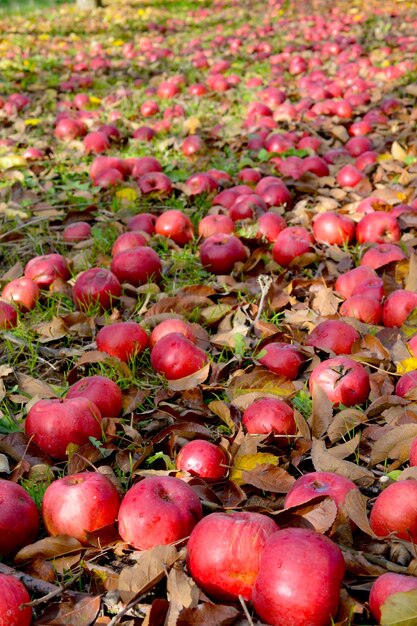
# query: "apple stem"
[264,283]
[245,610]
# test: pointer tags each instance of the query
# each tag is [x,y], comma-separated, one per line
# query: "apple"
[44,269]
[175,225]
[13,594]
[367,309]
[249,175]
[276,194]
[142,221]
[406,383]
[79,504]
[124,340]
[137,266]
[378,227]
[315,165]
[156,183]
[96,142]
[102,164]
[334,335]
[381,254]
[34,154]
[247,207]
[105,394]
[289,595]
[362,279]
[54,424]
[316,484]
[158,510]
[128,240]
[96,286]
[8,316]
[199,183]
[215,224]
[203,459]
[175,356]
[68,129]
[385,586]
[76,231]
[19,518]
[366,158]
[284,359]
[358,145]
[398,306]
[394,511]
[349,176]
[149,108]
[333,228]
[22,292]
[109,178]
[144,165]
[360,128]
[224,550]
[220,252]
[342,379]
[172,325]
[270,225]
[225,198]
[192,145]
[291,243]
[269,415]
[144,133]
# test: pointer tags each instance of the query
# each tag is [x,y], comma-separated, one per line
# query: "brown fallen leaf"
[181,589]
[395,443]
[208,614]
[73,609]
[34,387]
[49,548]
[324,461]
[191,381]
[269,478]
[322,412]
[258,383]
[152,565]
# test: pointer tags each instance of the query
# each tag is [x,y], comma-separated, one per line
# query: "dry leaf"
[355,509]
[343,422]
[182,590]
[268,477]
[324,461]
[259,383]
[49,548]
[208,614]
[151,567]
[222,411]
[400,609]
[395,443]
[191,381]
[322,412]
[34,387]
[247,462]
[73,609]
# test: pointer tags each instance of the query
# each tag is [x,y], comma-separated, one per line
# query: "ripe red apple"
[124,340]
[215,224]
[333,335]
[8,316]
[19,518]
[382,254]
[315,484]
[200,183]
[175,225]
[102,164]
[96,142]
[394,511]
[224,550]
[398,306]
[269,415]
[270,225]
[44,269]
[109,178]
[378,227]
[96,286]
[289,595]
[276,194]
[385,586]
[143,221]
[358,145]
[361,279]
[54,424]
[175,356]
[204,459]
[144,165]
[157,511]
[137,266]
[282,358]
[22,292]
[315,165]
[156,183]
[406,383]
[172,325]
[366,309]
[333,228]
[68,129]
[149,108]
[247,207]
[192,145]
[219,253]
[144,133]
[13,594]
[128,240]
[76,231]
[349,176]
[79,504]
[105,394]
[291,243]
[342,379]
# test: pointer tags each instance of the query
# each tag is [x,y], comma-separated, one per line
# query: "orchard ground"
[243,174]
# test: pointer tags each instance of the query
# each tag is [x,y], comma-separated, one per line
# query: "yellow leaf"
[398,152]
[10,161]
[95,100]
[247,462]
[192,124]
[118,42]
[385,157]
[127,193]
[33,121]
[43,37]
[408,365]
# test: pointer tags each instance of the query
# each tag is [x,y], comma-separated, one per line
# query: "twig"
[264,283]
[36,585]
[245,610]
[116,619]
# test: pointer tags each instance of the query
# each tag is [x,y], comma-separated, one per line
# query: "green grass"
[27,6]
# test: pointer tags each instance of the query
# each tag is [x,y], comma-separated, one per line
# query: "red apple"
[96,142]
[398,306]
[358,145]
[175,225]
[76,231]
[276,194]
[22,292]
[367,309]
[289,595]
[13,594]
[175,356]
[284,359]
[172,325]
[54,424]
[157,511]
[8,316]
[128,240]
[96,286]
[361,279]
[144,133]
[413,452]
[378,227]
[270,225]
[19,518]
[219,253]
[204,459]
[137,266]
[394,511]
[143,221]
[269,415]
[315,165]
[79,504]
[291,243]
[192,145]
[333,228]
[105,394]
[124,340]
[316,484]
[333,335]
[349,176]
[382,254]
[149,108]
[104,163]
[385,586]
[342,379]
[68,129]
[200,183]
[215,224]
[109,178]
[406,383]
[144,165]
[224,550]
[44,269]
[247,207]
[156,183]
